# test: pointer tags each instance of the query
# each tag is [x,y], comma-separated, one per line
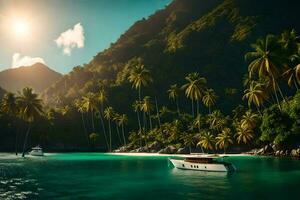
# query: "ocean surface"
[106,176]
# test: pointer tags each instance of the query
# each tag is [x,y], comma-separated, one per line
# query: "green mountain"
[206,36]
[37,76]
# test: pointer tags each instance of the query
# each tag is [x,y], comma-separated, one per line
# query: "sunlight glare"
[20,27]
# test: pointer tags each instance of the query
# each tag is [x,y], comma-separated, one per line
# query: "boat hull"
[213,167]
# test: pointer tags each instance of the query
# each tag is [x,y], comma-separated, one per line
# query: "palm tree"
[102,98]
[198,122]
[123,120]
[146,108]
[30,107]
[94,137]
[293,76]
[174,94]
[139,77]
[116,117]
[255,94]
[244,134]
[266,61]
[249,119]
[209,99]
[207,140]
[216,120]
[194,89]
[90,102]
[224,139]
[10,107]
[80,108]
[108,115]
[137,105]
[290,41]
[189,140]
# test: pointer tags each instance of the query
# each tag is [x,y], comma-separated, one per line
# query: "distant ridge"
[37,76]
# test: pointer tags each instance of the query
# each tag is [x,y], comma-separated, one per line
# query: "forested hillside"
[207,36]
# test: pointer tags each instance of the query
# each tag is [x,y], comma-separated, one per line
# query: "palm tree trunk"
[197,107]
[258,110]
[150,120]
[16,138]
[25,140]
[144,121]
[157,112]
[140,98]
[280,92]
[296,85]
[104,131]
[109,128]
[193,113]
[84,128]
[123,133]
[177,105]
[276,96]
[118,133]
[209,110]
[93,124]
[139,121]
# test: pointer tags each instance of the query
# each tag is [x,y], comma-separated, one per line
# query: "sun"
[20,27]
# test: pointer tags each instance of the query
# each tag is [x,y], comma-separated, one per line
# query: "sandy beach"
[176,155]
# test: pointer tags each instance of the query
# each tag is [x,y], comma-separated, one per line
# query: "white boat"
[203,163]
[36,151]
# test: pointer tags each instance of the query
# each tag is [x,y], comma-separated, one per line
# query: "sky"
[65,33]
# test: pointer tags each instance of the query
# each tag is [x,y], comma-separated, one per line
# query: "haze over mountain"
[206,36]
[37,76]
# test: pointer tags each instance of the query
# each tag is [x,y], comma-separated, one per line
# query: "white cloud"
[71,38]
[18,60]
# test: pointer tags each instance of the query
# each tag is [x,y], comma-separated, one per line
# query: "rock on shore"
[271,149]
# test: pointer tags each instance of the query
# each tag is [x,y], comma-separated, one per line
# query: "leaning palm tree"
[30,107]
[255,95]
[122,121]
[209,99]
[10,107]
[207,140]
[244,134]
[224,139]
[108,115]
[266,61]
[174,94]
[194,89]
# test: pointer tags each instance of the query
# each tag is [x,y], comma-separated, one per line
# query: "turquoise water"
[104,176]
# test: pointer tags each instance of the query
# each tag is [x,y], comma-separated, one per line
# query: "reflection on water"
[104,176]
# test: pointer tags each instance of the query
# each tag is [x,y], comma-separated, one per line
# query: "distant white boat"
[36,151]
[203,163]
